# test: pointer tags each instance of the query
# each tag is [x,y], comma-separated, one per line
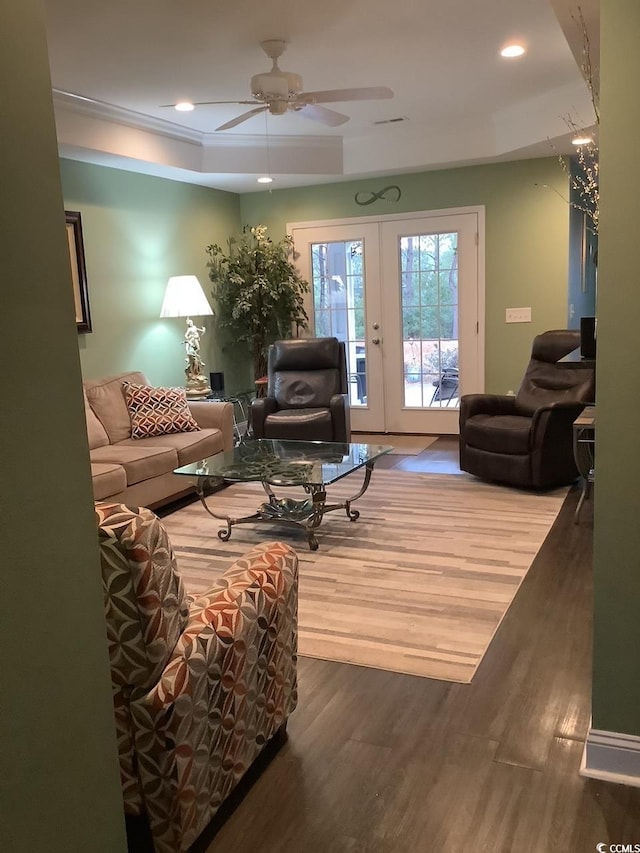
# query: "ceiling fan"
[279,91]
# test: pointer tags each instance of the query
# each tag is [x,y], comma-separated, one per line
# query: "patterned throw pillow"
[157,411]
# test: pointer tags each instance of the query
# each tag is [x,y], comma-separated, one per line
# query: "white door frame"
[369,417]
[476,385]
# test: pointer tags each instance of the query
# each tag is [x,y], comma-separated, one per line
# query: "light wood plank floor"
[379,762]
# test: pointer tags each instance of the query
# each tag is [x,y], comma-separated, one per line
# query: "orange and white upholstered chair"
[199,687]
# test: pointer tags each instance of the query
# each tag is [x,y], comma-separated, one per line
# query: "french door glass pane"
[339,307]
[429,300]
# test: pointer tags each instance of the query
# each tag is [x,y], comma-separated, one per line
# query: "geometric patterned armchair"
[199,687]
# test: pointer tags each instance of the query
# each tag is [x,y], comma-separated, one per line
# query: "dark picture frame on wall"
[78,270]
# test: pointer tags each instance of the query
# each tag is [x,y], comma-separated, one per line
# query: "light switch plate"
[517,315]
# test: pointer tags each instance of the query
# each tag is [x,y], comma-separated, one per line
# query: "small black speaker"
[588,337]
[217,383]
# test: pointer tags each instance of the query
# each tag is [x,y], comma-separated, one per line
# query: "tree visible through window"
[338,303]
[429,282]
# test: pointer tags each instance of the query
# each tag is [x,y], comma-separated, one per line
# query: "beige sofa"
[139,472]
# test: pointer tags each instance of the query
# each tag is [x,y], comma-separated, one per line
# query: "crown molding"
[109,112]
[101,110]
[103,134]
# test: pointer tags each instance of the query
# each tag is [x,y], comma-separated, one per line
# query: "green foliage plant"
[258,291]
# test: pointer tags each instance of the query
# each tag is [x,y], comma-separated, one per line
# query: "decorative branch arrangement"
[585,180]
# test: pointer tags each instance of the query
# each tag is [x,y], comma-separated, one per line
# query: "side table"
[584,445]
[241,401]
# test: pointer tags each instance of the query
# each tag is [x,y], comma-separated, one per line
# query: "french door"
[406,295]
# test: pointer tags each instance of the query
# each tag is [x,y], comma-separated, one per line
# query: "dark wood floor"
[378,762]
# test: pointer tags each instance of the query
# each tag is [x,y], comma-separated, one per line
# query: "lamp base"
[196,390]
[197,385]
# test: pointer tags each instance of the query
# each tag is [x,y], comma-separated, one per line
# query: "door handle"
[375,340]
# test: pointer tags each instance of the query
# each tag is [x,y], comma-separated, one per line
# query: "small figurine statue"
[196,382]
[192,338]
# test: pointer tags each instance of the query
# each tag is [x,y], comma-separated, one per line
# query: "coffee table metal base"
[307,513]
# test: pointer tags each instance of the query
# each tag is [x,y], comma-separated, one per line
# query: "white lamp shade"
[184,297]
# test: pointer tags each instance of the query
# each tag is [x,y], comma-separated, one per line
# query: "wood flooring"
[379,762]
[403,445]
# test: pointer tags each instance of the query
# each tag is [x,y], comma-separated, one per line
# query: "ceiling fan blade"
[322,114]
[368,93]
[239,119]
[207,103]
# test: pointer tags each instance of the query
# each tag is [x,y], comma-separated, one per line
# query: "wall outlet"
[517,315]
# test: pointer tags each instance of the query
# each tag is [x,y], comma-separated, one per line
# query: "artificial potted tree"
[258,292]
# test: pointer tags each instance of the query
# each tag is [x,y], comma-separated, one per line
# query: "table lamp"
[184,297]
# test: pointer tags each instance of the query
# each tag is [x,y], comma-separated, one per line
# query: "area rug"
[418,584]
[403,445]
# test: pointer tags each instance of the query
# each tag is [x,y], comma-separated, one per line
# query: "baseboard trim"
[611,757]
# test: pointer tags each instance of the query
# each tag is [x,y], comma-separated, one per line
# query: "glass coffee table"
[312,465]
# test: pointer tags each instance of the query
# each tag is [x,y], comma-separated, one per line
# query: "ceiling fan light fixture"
[184,106]
[278,107]
[276,85]
[512,51]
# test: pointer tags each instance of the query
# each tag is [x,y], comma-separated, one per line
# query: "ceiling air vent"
[391,120]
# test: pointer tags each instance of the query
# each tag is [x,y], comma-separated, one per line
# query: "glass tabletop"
[286,463]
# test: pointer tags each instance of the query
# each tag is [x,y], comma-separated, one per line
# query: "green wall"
[59,780]
[139,230]
[616,685]
[526,239]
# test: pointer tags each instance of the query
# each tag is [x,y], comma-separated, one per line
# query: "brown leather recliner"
[527,440]
[307,393]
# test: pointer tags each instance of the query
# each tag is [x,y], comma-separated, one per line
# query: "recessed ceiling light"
[512,50]
[581,140]
[265,180]
[184,106]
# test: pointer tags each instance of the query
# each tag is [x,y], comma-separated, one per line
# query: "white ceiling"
[119,61]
